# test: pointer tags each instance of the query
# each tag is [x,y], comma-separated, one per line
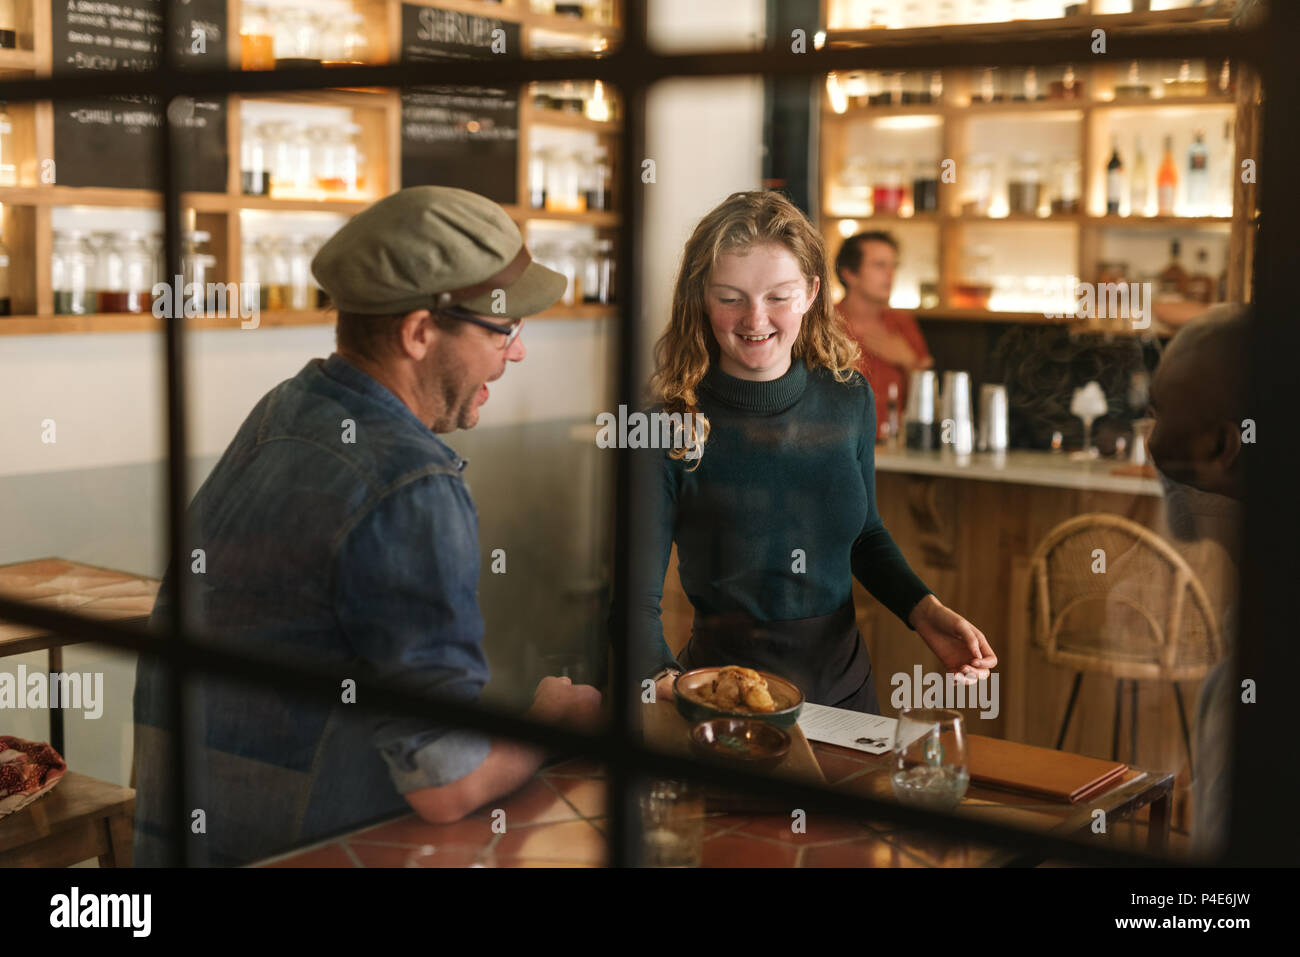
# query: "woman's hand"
[961,646]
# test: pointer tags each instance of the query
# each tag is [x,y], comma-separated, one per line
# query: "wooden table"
[78,819]
[560,818]
[75,587]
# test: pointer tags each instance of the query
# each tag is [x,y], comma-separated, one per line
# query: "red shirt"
[880,373]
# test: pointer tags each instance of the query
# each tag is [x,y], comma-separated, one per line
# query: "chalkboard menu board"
[459,135]
[115,141]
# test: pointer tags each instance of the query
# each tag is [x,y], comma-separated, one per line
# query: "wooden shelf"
[985,315]
[1158,221]
[580,311]
[571,121]
[604,219]
[345,206]
[1166,102]
[103,196]
[17,61]
[1197,18]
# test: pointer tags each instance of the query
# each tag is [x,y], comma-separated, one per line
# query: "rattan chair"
[1146,616]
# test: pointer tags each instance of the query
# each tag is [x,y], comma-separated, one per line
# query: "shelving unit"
[27,207]
[953,115]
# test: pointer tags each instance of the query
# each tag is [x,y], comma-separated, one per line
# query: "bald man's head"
[1198,397]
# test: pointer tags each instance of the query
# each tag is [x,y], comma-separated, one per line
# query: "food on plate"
[737,689]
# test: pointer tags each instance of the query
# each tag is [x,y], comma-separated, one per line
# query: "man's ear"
[419,333]
[1227,446]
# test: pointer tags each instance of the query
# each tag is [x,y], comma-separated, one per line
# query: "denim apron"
[825,656]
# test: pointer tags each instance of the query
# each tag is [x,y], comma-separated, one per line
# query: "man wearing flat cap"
[337,530]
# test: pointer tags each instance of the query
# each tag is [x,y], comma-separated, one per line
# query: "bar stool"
[1109,596]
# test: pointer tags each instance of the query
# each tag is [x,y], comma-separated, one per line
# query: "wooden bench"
[80,818]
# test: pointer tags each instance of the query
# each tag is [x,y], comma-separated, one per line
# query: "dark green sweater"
[779,514]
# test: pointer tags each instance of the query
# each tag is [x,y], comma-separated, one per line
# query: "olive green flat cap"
[430,247]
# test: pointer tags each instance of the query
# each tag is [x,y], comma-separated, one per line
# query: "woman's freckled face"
[756,300]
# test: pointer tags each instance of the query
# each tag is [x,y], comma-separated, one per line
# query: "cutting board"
[664,729]
[1052,775]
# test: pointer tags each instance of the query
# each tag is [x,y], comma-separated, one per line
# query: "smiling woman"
[777,515]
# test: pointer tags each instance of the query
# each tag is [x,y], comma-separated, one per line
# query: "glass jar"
[256,39]
[1025,185]
[291,166]
[317,298]
[254,168]
[6,304]
[925,186]
[252,288]
[562,188]
[302,294]
[277,285]
[126,273]
[72,274]
[538,160]
[595,179]
[887,187]
[978,199]
[334,159]
[8,157]
[1065,186]
[297,37]
[196,269]
[598,273]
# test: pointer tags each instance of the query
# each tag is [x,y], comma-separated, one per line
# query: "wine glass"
[931,765]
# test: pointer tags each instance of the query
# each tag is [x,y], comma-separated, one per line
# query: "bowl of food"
[735,692]
[744,742]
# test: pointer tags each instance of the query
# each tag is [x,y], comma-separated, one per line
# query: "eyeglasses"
[511,332]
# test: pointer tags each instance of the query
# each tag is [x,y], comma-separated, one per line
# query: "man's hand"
[960,646]
[560,701]
[664,688]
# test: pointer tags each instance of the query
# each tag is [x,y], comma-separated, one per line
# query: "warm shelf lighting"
[597,107]
[848,227]
[839,102]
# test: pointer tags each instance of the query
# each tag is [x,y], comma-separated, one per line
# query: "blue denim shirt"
[335,529]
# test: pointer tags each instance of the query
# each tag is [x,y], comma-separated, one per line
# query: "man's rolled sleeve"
[406,596]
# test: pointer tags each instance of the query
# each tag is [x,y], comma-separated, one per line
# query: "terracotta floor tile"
[570,841]
[819,828]
[868,852]
[412,831]
[534,803]
[720,823]
[734,850]
[331,855]
[588,795]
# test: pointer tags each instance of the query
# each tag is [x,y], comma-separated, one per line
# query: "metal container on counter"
[994,428]
[920,423]
[957,425]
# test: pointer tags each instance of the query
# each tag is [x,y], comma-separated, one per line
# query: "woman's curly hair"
[686,349]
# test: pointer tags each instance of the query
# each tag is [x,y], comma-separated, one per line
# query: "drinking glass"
[672,824]
[931,765]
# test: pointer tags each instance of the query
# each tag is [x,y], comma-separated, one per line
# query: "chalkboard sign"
[460,135]
[116,141]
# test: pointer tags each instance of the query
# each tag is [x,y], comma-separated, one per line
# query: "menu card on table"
[872,733]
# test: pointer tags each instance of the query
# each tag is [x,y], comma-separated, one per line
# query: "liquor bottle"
[1223,164]
[1138,182]
[1173,278]
[1200,285]
[1114,180]
[1198,176]
[1167,180]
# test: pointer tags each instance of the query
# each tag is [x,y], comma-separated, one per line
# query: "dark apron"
[824,656]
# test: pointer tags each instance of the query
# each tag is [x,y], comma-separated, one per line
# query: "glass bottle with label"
[1200,285]
[598,273]
[1114,180]
[1167,181]
[1065,174]
[1025,185]
[1198,176]
[277,290]
[8,157]
[925,186]
[72,274]
[1138,182]
[1173,278]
